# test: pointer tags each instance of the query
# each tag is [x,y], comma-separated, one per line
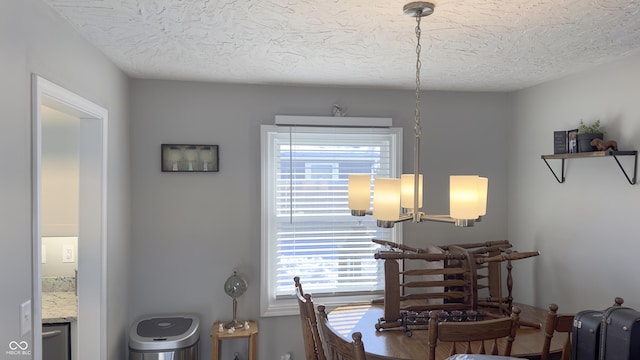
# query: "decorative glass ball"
[235,286]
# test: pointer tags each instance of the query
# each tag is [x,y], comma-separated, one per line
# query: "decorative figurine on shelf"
[235,286]
[246,325]
[602,145]
[338,111]
[220,328]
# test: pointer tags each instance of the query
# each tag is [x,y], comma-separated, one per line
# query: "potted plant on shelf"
[586,133]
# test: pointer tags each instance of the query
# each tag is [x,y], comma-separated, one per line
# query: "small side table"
[251,333]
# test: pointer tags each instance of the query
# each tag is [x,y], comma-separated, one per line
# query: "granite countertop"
[59,307]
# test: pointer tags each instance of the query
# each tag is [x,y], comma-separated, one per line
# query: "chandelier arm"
[361,212]
[387,224]
[447,219]
[422,217]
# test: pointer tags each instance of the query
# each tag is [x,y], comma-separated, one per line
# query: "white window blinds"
[308,230]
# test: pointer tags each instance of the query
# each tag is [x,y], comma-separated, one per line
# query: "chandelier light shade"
[359,192]
[396,200]
[483,190]
[386,199]
[408,189]
[465,195]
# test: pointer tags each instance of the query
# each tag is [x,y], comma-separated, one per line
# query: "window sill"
[289,306]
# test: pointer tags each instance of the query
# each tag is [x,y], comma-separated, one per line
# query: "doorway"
[89,330]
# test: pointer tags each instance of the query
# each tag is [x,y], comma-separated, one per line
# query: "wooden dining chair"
[311,336]
[337,347]
[447,277]
[557,323]
[473,335]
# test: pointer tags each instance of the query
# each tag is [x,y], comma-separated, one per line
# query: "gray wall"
[60,191]
[585,228]
[60,173]
[34,39]
[54,264]
[192,230]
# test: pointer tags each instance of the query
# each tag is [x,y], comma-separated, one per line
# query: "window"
[307,228]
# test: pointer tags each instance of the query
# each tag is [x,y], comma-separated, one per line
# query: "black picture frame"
[572,141]
[189,158]
[560,142]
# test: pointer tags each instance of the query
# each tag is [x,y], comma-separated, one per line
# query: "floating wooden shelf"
[593,154]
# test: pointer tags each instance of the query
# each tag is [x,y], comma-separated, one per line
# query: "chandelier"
[398,200]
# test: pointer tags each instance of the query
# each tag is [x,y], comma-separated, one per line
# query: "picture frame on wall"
[189,158]
[572,141]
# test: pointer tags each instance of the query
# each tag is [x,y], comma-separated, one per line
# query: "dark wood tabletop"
[396,344]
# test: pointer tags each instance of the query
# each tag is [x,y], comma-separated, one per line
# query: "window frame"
[270,304]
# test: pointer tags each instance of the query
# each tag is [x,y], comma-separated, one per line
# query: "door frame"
[92,265]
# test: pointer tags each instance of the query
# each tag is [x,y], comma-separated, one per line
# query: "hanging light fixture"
[397,200]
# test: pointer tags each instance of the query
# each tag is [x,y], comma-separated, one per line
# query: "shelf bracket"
[635,167]
[560,180]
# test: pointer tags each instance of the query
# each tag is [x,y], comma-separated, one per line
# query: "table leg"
[215,349]
[253,346]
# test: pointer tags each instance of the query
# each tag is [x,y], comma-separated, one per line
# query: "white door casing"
[91,281]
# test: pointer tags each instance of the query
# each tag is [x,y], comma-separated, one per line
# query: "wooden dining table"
[397,344]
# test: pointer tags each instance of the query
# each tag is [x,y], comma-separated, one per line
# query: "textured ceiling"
[467,44]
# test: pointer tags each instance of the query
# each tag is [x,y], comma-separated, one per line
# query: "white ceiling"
[495,45]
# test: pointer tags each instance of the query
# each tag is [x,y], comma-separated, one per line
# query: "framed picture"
[560,142]
[189,158]
[572,141]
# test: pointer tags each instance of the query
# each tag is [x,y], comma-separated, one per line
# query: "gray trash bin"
[167,337]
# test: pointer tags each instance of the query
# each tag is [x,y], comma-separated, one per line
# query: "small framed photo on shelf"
[560,142]
[189,158]
[572,141]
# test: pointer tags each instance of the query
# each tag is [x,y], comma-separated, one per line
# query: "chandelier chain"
[417,129]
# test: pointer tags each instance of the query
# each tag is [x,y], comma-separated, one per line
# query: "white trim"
[36,180]
[288,307]
[41,89]
[330,121]
[265,281]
